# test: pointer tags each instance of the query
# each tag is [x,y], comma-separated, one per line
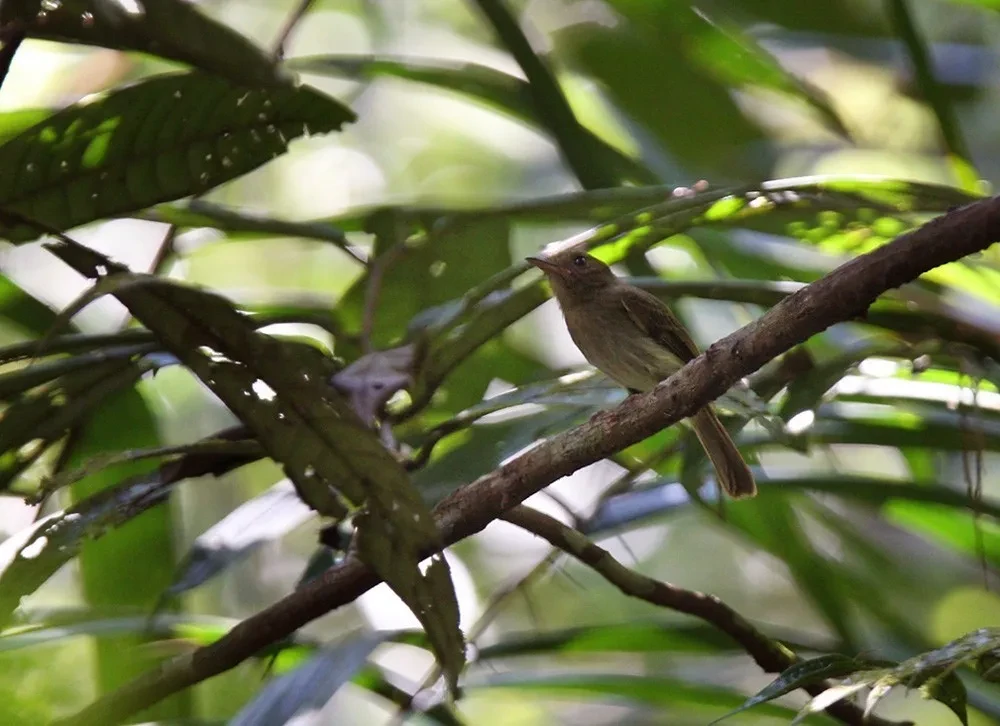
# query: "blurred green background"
[876,530]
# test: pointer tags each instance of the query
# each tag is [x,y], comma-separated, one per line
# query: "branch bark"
[769,654]
[844,294]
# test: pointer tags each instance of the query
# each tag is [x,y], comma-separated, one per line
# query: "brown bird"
[633,338]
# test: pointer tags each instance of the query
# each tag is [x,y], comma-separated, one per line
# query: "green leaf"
[34,422]
[165,137]
[33,555]
[16,382]
[422,272]
[648,36]
[14,122]
[169,28]
[112,576]
[950,691]
[95,463]
[803,673]
[281,391]
[50,628]
[932,672]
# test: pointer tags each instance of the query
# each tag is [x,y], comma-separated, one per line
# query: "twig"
[837,297]
[286,31]
[951,132]
[554,111]
[769,654]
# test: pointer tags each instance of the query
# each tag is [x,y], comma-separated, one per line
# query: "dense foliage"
[328,328]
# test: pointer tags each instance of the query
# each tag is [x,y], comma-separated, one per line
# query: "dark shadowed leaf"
[163,138]
[23,309]
[17,382]
[34,422]
[55,540]
[170,28]
[30,557]
[281,391]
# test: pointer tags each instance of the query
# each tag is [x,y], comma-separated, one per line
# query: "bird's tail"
[731,470]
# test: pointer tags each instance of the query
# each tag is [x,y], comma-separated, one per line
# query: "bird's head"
[575,276]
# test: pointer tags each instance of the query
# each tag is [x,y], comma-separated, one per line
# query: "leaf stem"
[920,58]
[554,110]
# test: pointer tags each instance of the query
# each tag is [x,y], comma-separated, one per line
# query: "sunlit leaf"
[163,138]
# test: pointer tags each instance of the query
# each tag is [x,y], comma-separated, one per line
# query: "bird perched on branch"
[632,337]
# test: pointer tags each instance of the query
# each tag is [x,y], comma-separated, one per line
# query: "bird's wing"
[654,318]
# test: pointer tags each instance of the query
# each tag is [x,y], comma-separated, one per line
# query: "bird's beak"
[545,266]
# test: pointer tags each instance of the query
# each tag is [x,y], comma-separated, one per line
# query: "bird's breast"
[620,350]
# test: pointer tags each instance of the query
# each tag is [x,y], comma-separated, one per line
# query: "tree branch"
[769,654]
[842,295]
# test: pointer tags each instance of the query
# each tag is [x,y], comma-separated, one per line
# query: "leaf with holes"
[169,28]
[281,392]
[166,137]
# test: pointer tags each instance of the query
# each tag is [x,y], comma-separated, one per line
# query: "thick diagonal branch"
[844,294]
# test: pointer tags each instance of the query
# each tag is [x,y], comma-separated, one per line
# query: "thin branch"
[770,655]
[279,45]
[840,296]
[554,111]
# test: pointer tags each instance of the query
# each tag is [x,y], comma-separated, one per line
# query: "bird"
[632,337]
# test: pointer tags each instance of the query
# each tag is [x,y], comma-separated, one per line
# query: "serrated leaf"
[172,29]
[281,391]
[165,137]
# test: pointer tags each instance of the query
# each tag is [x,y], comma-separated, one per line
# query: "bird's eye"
[580,261]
